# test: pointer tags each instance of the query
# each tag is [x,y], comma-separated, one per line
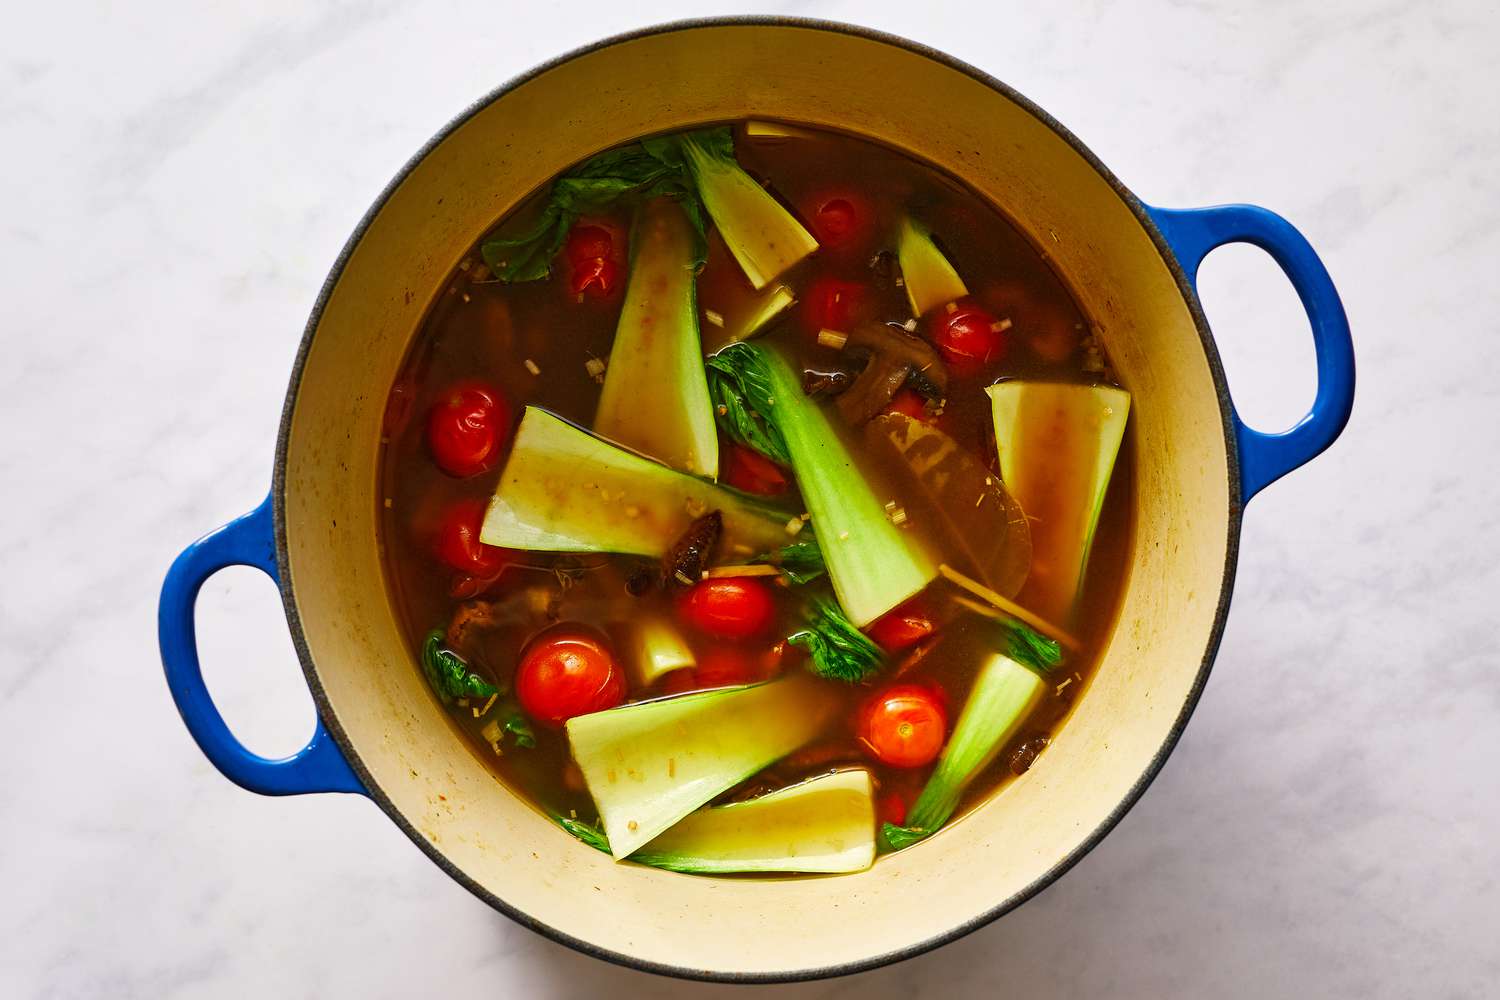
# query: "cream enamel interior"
[397,731]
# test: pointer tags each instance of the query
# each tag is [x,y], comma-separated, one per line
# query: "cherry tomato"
[567,671]
[904,725]
[595,252]
[1048,331]
[588,242]
[891,808]
[833,304]
[465,586]
[723,666]
[749,470]
[459,546]
[902,627]
[467,427]
[835,220]
[968,335]
[597,277]
[908,403]
[770,660]
[730,607]
[679,681]
[842,221]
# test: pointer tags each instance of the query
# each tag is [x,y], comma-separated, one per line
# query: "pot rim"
[1132,796]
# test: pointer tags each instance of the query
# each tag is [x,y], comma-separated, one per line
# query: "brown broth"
[487,331]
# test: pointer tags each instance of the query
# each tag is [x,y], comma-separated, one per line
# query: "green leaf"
[1030,648]
[448,674]
[672,150]
[801,562]
[739,388]
[519,728]
[617,177]
[898,837]
[839,651]
[586,832]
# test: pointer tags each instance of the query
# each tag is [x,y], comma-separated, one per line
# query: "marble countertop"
[176,182]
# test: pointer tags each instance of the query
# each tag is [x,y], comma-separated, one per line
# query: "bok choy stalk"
[929,279]
[649,764]
[564,490]
[1005,689]
[762,236]
[655,396]
[873,564]
[699,170]
[824,824]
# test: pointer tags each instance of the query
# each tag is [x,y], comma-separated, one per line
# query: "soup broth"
[491,348]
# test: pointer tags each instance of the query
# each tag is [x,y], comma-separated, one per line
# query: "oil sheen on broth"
[545,344]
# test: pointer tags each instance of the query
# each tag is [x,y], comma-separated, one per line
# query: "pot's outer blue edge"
[1235,515]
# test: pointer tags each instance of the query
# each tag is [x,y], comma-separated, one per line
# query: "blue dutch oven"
[1131,266]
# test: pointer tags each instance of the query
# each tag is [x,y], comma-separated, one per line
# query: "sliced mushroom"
[895,357]
[874,388]
[825,383]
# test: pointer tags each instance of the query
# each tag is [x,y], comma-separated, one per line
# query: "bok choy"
[655,396]
[696,168]
[649,764]
[762,236]
[1006,688]
[564,490]
[930,280]
[838,650]
[825,824]
[873,564]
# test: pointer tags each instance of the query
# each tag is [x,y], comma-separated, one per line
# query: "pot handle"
[1192,234]
[246,541]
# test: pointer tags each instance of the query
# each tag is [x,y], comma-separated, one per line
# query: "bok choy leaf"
[448,674]
[839,651]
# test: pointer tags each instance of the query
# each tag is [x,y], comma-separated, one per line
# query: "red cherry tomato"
[723,666]
[842,221]
[901,627]
[467,427]
[834,220]
[749,470]
[891,808]
[770,660]
[909,403]
[679,681]
[588,242]
[730,607]
[595,252]
[833,304]
[566,672]
[904,725]
[459,546]
[597,277]
[969,336]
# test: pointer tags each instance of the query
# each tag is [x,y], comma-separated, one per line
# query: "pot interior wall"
[399,735]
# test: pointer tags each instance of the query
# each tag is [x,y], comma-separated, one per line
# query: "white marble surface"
[176,181]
